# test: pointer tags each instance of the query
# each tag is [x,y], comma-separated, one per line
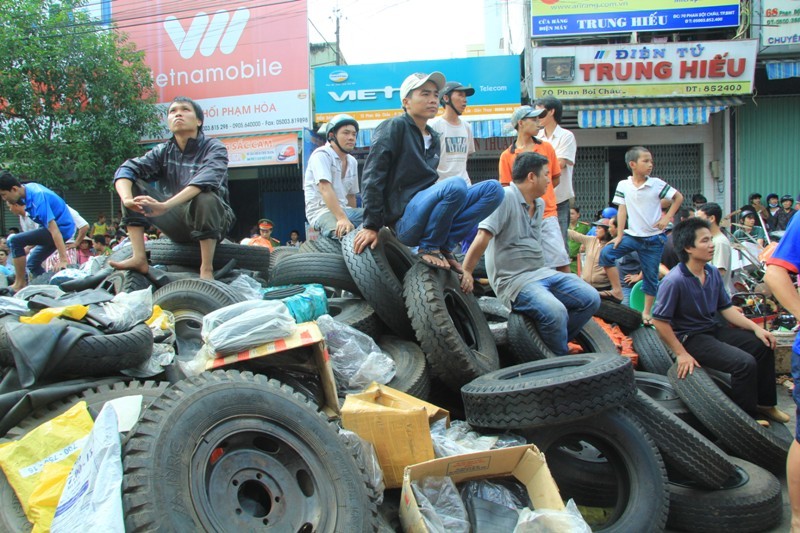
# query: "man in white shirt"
[331,181]
[455,135]
[722,246]
[563,142]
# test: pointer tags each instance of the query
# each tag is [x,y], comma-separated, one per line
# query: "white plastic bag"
[92,496]
[440,505]
[127,309]
[247,287]
[245,325]
[552,521]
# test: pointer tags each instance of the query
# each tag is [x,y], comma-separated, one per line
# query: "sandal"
[455,266]
[647,320]
[435,253]
[609,295]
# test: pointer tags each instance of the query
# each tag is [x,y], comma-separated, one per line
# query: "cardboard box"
[397,424]
[526,463]
[306,334]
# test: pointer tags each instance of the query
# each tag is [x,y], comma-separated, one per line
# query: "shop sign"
[710,68]
[371,93]
[558,18]
[260,150]
[780,23]
[246,62]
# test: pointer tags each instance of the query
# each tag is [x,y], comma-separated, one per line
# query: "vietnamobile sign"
[371,93]
[710,68]
[246,61]
[558,18]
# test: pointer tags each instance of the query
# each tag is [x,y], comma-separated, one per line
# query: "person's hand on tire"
[343,227]
[467,282]
[686,365]
[365,237]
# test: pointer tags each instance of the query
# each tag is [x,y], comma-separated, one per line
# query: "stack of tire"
[615,439]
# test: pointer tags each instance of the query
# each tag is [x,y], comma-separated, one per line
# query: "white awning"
[648,112]
[782,70]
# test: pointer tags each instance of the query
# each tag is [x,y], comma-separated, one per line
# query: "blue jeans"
[326,224]
[442,215]
[649,249]
[626,295]
[43,246]
[560,305]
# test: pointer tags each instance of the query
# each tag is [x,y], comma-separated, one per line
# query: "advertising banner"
[558,18]
[371,93]
[246,62]
[710,68]
[259,150]
[780,23]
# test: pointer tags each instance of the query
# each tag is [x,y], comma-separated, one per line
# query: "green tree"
[75,97]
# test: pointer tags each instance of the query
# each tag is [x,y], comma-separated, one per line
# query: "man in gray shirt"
[559,303]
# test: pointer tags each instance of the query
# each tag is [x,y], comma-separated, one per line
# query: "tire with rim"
[190,300]
[661,390]
[584,473]
[166,252]
[12,516]
[324,245]
[411,367]
[737,431]
[450,326]
[527,345]
[356,313]
[550,391]
[749,501]
[326,269]
[642,498]
[653,355]
[245,454]
[125,281]
[626,318]
[279,254]
[379,274]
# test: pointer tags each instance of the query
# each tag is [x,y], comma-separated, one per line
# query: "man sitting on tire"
[561,304]
[180,187]
[685,314]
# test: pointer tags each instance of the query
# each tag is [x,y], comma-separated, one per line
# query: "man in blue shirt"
[688,300]
[48,210]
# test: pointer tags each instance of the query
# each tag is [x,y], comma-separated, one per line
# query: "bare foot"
[134,264]
[207,274]
[16,287]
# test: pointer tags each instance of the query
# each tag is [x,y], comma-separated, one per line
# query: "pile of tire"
[618,440]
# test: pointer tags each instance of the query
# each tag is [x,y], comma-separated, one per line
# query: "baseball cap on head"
[418,79]
[451,86]
[525,111]
[603,222]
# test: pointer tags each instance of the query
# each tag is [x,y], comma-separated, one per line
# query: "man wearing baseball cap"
[400,188]
[455,134]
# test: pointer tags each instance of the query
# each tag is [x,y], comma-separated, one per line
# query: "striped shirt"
[643,204]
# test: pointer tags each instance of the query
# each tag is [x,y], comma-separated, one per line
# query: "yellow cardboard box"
[526,463]
[397,424]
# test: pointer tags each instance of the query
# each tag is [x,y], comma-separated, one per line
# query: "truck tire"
[328,270]
[527,345]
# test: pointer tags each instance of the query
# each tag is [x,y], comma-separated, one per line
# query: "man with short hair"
[698,200]
[512,236]
[685,316]
[331,181]
[100,245]
[180,187]
[50,212]
[400,182]
[564,144]
[264,237]
[455,134]
[712,213]
[780,220]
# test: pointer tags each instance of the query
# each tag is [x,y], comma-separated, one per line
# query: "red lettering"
[688,68]
[587,71]
[716,68]
[605,71]
[734,71]
[623,75]
[644,70]
[663,70]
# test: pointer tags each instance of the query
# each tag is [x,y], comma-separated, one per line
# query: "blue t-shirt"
[688,306]
[787,255]
[43,205]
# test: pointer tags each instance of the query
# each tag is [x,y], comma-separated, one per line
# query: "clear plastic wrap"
[68,274]
[162,324]
[357,361]
[162,356]
[127,309]
[247,287]
[440,505]
[460,438]
[245,325]
[365,453]
[552,521]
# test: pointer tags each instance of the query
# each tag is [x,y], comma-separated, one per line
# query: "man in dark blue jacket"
[399,182]
[180,187]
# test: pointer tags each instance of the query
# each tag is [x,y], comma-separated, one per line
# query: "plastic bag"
[59,440]
[356,360]
[247,287]
[128,309]
[552,521]
[365,453]
[245,325]
[494,505]
[458,439]
[44,316]
[309,305]
[68,274]
[162,324]
[440,505]
[162,356]
[92,496]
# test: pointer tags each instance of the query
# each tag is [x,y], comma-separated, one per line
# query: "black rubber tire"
[550,391]
[449,326]
[642,498]
[480,268]
[285,292]
[125,281]
[500,333]
[166,252]
[6,356]
[356,313]
[379,274]
[493,309]
[738,432]
[681,446]
[626,318]
[584,473]
[12,517]
[279,254]
[653,355]
[104,355]
[323,245]
[527,345]
[326,269]
[411,367]
[661,390]
[750,501]
[270,456]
